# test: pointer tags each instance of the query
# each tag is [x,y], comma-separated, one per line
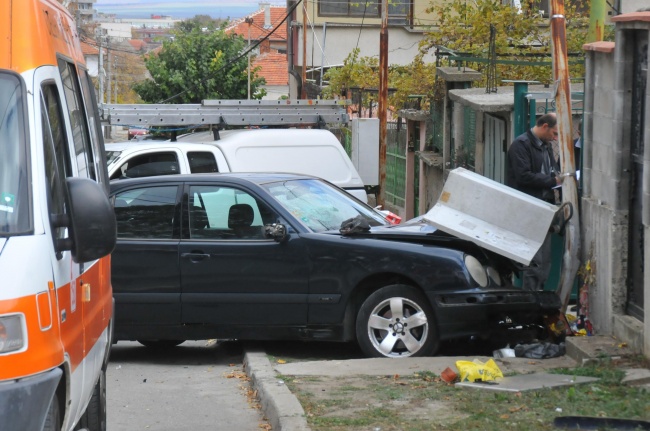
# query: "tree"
[199,63]
[362,72]
[521,35]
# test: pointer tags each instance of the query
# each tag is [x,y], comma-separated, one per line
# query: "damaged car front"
[483,300]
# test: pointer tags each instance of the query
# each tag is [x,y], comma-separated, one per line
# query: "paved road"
[180,389]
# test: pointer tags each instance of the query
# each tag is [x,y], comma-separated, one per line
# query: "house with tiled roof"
[139,45]
[266,26]
[91,55]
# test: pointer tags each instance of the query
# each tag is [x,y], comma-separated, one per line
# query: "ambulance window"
[92,114]
[15,213]
[57,164]
[80,135]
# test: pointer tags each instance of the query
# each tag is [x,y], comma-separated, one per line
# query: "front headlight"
[494,275]
[476,270]
[12,336]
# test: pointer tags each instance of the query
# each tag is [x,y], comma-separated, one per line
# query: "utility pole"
[100,67]
[382,107]
[249,21]
[571,257]
[115,76]
[597,15]
[304,51]
[109,75]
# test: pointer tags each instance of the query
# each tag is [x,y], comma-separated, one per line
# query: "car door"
[230,272]
[145,269]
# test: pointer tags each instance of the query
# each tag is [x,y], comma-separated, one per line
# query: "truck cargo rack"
[232,113]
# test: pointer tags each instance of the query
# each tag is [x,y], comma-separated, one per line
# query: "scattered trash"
[477,371]
[598,423]
[540,350]
[448,375]
[280,382]
[118,367]
[558,325]
[558,409]
[504,353]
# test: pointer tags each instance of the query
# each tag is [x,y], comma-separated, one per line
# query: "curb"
[279,405]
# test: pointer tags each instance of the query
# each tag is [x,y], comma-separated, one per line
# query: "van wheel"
[396,321]
[94,418]
[160,344]
[53,418]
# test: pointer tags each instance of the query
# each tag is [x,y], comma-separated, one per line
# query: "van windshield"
[15,206]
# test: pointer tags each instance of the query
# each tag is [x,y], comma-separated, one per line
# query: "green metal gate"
[395,164]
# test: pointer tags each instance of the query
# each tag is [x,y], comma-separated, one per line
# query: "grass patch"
[422,401]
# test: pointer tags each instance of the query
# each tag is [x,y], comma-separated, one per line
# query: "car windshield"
[14,190]
[320,206]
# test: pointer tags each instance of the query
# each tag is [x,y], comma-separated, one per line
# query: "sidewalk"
[285,413]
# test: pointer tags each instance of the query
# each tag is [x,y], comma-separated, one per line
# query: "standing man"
[533,169]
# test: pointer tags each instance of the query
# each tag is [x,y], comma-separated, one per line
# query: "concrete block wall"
[608,183]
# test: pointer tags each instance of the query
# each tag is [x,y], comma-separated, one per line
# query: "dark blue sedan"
[282,256]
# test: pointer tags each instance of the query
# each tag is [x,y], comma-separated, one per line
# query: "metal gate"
[395,165]
[635,233]
[494,161]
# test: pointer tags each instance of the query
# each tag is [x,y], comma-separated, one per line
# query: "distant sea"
[178,12]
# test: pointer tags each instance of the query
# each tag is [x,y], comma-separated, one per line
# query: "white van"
[303,151]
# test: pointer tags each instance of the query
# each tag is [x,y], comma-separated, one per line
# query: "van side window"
[80,134]
[147,212]
[202,162]
[147,165]
[57,163]
[96,138]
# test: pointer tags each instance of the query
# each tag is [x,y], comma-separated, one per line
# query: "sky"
[179,8]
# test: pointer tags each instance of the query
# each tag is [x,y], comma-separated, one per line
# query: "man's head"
[546,127]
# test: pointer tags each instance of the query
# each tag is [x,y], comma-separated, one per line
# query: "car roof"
[232,177]
[147,145]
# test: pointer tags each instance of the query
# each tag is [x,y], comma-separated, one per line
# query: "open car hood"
[492,215]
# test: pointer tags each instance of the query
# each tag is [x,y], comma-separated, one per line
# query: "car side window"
[216,212]
[147,165]
[146,212]
[202,162]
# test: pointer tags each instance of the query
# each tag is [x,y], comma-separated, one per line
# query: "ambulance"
[57,227]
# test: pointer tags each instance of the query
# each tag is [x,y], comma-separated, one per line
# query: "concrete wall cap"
[602,46]
[634,16]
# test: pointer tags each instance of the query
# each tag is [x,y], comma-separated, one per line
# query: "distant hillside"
[178,10]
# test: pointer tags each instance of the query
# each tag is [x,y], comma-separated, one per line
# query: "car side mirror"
[277,231]
[90,221]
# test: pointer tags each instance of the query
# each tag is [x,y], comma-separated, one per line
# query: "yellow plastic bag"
[477,371]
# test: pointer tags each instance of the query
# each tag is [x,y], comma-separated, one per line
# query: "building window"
[399,11]
[355,8]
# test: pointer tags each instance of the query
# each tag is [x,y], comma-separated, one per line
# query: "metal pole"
[249,21]
[304,51]
[100,70]
[571,257]
[382,106]
[597,15]
[322,58]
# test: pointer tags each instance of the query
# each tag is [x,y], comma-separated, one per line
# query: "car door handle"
[196,256]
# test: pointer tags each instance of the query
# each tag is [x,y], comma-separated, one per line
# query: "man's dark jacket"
[525,159]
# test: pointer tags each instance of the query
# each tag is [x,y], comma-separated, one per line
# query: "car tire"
[160,344]
[53,418]
[410,332]
[94,418]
